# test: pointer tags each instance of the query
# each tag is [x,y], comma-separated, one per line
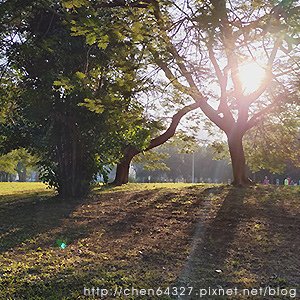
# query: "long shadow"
[279,243]
[206,262]
[119,220]
[152,222]
[120,223]
[25,218]
[260,234]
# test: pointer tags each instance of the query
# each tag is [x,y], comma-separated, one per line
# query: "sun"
[251,76]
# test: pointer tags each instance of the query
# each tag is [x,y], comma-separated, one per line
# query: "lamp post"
[193,168]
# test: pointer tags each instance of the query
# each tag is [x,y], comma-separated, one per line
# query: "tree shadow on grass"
[206,262]
[250,243]
[273,231]
[23,220]
[149,206]
[142,233]
[120,214]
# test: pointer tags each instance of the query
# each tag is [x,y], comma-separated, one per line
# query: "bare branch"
[255,119]
[193,90]
[169,74]
[124,3]
[269,76]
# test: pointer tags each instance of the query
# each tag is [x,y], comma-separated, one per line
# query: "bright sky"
[251,75]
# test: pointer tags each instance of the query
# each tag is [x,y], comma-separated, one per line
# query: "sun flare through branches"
[251,76]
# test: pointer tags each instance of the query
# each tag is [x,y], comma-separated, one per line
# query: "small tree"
[273,145]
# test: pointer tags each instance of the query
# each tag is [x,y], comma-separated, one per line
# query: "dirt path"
[187,277]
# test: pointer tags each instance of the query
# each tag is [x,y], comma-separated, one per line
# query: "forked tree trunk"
[238,161]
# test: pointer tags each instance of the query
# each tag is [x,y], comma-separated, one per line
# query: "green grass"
[12,188]
[23,191]
[141,235]
[151,186]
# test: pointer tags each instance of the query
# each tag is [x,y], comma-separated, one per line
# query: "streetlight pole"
[193,168]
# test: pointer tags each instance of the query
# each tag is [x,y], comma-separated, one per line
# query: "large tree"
[73,103]
[203,48]
[228,35]
[127,27]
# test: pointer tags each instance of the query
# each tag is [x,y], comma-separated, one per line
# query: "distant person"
[286,182]
[277,181]
[266,180]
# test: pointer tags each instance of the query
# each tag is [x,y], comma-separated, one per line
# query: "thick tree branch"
[222,79]
[130,151]
[229,43]
[211,113]
[193,90]
[167,134]
[173,126]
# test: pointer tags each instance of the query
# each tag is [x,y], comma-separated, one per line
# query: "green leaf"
[93,105]
[91,39]
[80,75]
[68,4]
[136,28]
[57,83]
[103,43]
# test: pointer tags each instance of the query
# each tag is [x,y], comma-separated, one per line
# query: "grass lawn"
[13,188]
[23,191]
[148,236]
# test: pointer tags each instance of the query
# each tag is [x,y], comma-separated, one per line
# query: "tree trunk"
[74,176]
[21,170]
[23,175]
[238,161]
[122,172]
[73,179]
[73,173]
